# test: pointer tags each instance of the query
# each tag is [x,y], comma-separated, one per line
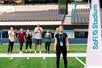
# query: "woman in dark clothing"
[47,40]
[28,37]
[61,46]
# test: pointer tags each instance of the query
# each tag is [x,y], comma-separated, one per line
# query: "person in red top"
[21,36]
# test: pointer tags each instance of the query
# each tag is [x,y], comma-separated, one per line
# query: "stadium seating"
[45,15]
[82,17]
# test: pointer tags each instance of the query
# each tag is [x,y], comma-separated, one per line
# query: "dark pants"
[29,43]
[47,46]
[10,46]
[21,44]
[38,41]
[62,50]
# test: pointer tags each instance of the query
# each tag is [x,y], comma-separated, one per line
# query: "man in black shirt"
[61,46]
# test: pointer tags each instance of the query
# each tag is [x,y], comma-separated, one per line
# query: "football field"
[39,62]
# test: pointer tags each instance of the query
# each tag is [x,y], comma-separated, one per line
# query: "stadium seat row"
[48,15]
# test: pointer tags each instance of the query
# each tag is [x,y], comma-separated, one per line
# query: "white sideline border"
[41,55]
[80,61]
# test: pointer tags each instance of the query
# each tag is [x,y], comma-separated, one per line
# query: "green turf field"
[74,48]
[40,62]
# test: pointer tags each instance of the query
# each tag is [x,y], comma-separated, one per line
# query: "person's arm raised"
[9,32]
[35,30]
[41,30]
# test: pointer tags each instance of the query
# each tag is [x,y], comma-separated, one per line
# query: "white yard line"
[80,61]
[41,55]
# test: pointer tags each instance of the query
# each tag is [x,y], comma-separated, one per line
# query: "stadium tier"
[82,17]
[48,15]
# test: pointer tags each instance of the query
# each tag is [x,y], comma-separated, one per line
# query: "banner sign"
[94,45]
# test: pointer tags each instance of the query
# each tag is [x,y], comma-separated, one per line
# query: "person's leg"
[30,45]
[46,46]
[33,2]
[12,43]
[35,48]
[9,46]
[39,48]
[21,45]
[49,46]
[26,46]
[36,43]
[64,52]
[58,53]
[40,45]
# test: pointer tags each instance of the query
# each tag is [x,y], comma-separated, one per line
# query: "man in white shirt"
[38,37]
[11,37]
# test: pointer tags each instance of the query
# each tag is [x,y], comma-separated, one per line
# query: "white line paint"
[42,55]
[80,61]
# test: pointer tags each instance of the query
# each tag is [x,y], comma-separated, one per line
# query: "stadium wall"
[10,8]
[71,40]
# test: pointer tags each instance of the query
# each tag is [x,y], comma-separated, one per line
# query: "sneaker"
[35,51]
[28,58]
[60,57]
[30,51]
[44,58]
[26,51]
[45,51]
[8,53]
[11,57]
[48,52]
[39,51]
[20,52]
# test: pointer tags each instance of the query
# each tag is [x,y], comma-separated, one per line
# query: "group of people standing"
[60,45]
[21,36]
[27,37]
